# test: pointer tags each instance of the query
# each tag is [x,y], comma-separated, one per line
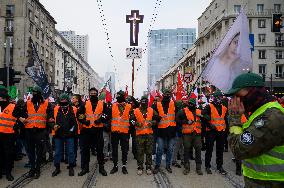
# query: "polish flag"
[194,94]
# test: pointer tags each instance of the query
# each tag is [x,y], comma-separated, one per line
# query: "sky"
[84,17]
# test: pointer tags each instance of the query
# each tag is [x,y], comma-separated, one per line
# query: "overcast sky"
[83,17]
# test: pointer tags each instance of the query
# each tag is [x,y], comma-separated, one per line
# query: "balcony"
[279,75]
[265,12]
[279,43]
[9,30]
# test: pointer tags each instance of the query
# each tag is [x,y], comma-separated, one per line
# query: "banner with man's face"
[232,57]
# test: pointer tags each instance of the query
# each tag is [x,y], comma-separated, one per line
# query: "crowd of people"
[178,130]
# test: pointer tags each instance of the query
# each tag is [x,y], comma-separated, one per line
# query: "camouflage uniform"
[264,133]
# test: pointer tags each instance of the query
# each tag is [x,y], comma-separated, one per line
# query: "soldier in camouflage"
[259,142]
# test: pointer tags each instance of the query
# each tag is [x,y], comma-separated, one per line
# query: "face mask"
[4,103]
[167,98]
[64,104]
[120,99]
[94,98]
[144,102]
[36,96]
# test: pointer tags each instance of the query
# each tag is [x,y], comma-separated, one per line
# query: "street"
[118,180]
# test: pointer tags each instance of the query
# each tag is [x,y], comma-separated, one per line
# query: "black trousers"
[123,139]
[89,138]
[35,139]
[7,149]
[211,137]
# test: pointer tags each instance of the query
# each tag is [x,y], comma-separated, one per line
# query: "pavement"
[132,180]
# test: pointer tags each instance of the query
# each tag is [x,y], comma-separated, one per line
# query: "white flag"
[232,57]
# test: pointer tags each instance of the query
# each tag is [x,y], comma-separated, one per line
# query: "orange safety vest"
[120,123]
[169,119]
[55,112]
[7,120]
[36,119]
[93,116]
[146,127]
[217,120]
[195,126]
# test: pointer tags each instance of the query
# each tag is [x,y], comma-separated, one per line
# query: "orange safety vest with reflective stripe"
[169,119]
[146,126]
[120,123]
[195,126]
[7,120]
[55,112]
[217,120]
[93,116]
[36,119]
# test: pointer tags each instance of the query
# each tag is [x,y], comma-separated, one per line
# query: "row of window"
[41,24]
[259,8]
[42,52]
[40,35]
[279,70]
[278,38]
[279,54]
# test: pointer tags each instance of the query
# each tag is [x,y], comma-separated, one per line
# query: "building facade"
[80,42]
[165,48]
[72,72]
[268,54]
[20,20]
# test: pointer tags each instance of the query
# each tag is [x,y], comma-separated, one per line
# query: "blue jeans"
[58,151]
[170,150]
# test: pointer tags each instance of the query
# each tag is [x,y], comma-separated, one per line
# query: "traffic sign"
[133,53]
[188,77]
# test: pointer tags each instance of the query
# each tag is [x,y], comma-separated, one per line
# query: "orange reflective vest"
[120,123]
[55,112]
[169,119]
[217,120]
[7,120]
[195,126]
[146,126]
[93,116]
[36,119]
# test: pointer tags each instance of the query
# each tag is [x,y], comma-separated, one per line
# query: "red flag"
[108,96]
[194,94]
[126,91]
[180,90]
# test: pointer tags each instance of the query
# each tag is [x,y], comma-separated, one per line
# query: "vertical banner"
[35,70]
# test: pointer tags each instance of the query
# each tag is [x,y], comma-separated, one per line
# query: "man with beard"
[144,117]
[64,130]
[259,142]
[38,111]
[215,115]
[166,130]
[7,134]
[189,119]
[91,116]
[120,123]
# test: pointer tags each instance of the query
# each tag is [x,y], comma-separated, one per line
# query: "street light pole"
[64,69]
[8,46]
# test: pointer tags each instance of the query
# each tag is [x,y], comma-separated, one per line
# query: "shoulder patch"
[259,123]
[247,138]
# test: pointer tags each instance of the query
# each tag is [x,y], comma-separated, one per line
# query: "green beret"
[64,96]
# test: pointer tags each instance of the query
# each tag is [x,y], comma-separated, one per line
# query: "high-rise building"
[80,42]
[165,48]
[20,20]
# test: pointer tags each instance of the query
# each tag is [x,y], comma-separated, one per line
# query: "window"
[46,53]
[279,39]
[47,41]
[42,37]
[259,7]
[277,7]
[261,54]
[41,25]
[261,23]
[36,19]
[31,28]
[51,56]
[279,54]
[262,69]
[37,33]
[261,38]
[30,15]
[42,50]
[237,9]
[279,71]
[10,10]
[57,72]
[36,46]
[9,25]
